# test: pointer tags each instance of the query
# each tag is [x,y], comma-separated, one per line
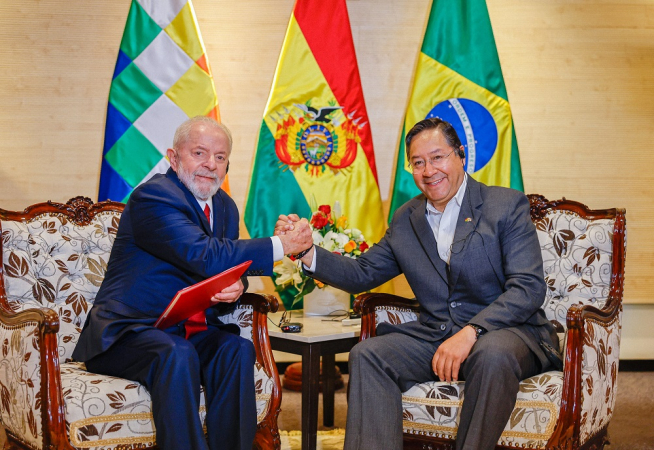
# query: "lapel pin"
[468,219]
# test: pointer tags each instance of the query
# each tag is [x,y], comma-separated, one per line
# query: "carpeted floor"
[631,427]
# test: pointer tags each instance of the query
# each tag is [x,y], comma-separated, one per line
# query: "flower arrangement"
[331,231]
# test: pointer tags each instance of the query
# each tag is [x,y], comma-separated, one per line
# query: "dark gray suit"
[494,280]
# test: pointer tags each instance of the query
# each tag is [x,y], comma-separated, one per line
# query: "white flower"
[328,241]
[328,245]
[288,272]
[317,237]
[341,239]
[336,210]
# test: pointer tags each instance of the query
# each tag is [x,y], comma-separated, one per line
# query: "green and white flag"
[161,79]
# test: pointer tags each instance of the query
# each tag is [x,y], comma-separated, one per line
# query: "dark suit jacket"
[164,243]
[495,279]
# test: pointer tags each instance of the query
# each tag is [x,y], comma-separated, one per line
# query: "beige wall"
[580,77]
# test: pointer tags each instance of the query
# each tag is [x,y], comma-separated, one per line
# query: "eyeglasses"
[436,161]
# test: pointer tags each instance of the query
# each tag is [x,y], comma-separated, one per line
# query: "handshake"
[296,236]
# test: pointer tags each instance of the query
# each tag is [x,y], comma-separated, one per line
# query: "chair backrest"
[583,254]
[55,256]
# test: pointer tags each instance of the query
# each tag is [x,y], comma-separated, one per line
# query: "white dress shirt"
[443,224]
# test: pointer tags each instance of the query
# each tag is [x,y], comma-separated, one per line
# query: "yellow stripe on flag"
[184,31]
[194,92]
[298,77]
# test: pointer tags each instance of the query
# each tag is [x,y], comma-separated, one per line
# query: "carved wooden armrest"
[261,305]
[368,305]
[591,368]
[30,384]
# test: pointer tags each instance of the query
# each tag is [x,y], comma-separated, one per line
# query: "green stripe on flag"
[273,191]
[133,156]
[460,36]
[140,30]
[132,92]
[516,169]
[404,188]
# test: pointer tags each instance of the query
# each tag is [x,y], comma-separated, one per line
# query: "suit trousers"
[383,367]
[172,369]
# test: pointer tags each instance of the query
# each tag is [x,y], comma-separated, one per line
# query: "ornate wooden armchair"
[54,259]
[584,254]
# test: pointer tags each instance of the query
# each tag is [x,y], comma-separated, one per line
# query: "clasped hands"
[295,235]
[298,233]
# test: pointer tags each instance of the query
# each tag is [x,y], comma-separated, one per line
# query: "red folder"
[197,297]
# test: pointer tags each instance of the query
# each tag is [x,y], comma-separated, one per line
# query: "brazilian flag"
[459,79]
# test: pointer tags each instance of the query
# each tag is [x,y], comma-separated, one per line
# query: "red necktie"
[198,321]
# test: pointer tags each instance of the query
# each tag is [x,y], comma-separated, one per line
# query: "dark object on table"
[291,327]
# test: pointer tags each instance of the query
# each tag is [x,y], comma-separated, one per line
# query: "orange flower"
[350,246]
[341,222]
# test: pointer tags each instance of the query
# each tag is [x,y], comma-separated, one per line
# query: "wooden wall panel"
[578,74]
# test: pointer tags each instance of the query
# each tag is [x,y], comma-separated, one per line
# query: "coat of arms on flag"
[316,139]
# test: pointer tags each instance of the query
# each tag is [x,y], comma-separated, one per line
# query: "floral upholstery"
[578,266]
[103,412]
[51,262]
[54,263]
[394,315]
[577,258]
[434,408]
[20,385]
[600,359]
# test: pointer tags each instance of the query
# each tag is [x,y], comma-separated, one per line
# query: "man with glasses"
[471,256]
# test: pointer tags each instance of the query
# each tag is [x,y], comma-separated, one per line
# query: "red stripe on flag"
[215,114]
[326,28]
[202,62]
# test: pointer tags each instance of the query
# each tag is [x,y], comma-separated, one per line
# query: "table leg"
[328,376]
[310,387]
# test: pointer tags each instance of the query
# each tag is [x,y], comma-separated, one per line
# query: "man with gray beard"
[177,229]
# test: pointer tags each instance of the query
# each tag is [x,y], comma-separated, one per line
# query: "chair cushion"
[433,409]
[108,412]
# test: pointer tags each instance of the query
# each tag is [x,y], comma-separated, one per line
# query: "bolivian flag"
[459,79]
[315,137]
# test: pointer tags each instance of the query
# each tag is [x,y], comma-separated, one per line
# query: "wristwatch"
[479,331]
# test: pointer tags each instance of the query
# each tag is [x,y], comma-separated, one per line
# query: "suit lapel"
[426,236]
[200,218]
[218,215]
[466,223]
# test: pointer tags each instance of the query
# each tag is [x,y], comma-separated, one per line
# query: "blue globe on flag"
[474,125]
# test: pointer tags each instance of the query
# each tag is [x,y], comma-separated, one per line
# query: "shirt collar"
[458,197]
[205,202]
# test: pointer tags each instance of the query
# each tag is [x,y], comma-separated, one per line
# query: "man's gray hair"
[182,132]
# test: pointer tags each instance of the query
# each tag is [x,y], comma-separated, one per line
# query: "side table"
[318,338]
